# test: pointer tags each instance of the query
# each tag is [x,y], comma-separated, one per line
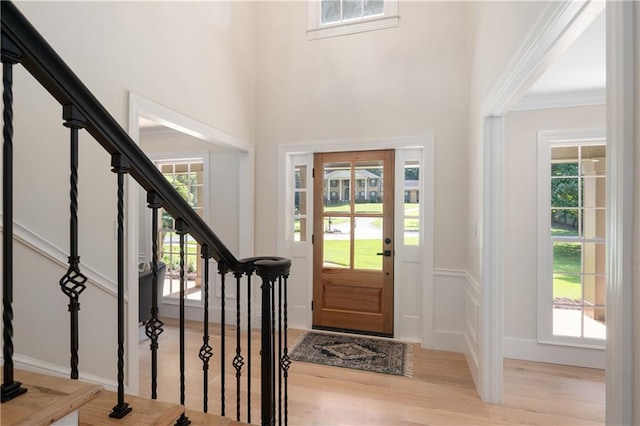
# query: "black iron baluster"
[238,361]
[222,270]
[73,282]
[285,361]
[249,346]
[153,327]
[266,360]
[10,56]
[181,230]
[206,351]
[120,166]
[279,350]
[273,343]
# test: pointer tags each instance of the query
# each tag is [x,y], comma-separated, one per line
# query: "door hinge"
[311,238]
[312,305]
[313,172]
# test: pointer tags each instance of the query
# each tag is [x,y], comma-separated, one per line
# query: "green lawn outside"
[410,209]
[337,252]
[567,266]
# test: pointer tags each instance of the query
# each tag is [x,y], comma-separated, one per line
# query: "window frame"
[317,30]
[546,141]
[186,157]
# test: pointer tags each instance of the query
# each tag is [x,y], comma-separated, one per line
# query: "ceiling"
[581,67]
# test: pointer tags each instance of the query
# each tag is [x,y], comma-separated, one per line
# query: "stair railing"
[22,44]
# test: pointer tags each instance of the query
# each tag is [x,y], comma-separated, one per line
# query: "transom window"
[344,10]
[330,18]
[572,199]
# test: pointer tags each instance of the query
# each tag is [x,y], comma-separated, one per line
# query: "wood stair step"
[199,418]
[48,399]
[144,411]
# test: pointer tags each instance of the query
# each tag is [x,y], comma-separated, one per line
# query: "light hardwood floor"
[441,391]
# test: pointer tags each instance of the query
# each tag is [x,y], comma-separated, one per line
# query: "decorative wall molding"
[471,323]
[157,132]
[443,272]
[38,244]
[576,98]
[36,366]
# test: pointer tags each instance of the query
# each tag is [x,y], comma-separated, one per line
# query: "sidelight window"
[572,197]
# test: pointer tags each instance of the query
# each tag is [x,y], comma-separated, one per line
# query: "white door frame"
[559,25]
[140,106]
[623,337]
[424,143]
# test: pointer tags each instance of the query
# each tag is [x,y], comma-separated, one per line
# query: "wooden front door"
[353,241]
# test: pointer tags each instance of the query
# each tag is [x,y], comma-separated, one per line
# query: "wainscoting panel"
[448,321]
[472,326]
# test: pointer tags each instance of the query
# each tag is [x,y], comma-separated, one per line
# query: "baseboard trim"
[531,350]
[45,248]
[452,341]
[22,362]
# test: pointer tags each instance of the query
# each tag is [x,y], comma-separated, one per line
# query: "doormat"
[359,353]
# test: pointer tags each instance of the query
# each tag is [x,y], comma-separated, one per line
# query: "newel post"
[270,270]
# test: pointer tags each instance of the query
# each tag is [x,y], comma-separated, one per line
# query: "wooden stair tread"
[47,400]
[144,411]
[199,418]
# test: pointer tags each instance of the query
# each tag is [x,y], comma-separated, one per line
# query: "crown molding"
[575,98]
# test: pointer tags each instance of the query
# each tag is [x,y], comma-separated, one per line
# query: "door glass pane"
[594,226]
[567,289]
[593,258]
[337,243]
[564,222]
[564,192]
[564,169]
[300,177]
[567,321]
[368,243]
[411,231]
[567,257]
[564,154]
[593,160]
[337,187]
[593,192]
[411,202]
[594,323]
[300,203]
[369,174]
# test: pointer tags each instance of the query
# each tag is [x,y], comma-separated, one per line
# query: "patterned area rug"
[360,353]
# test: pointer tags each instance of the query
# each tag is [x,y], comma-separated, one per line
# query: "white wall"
[404,81]
[196,58]
[520,218]
[497,30]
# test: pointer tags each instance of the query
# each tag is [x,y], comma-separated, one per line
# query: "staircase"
[55,400]
[32,399]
